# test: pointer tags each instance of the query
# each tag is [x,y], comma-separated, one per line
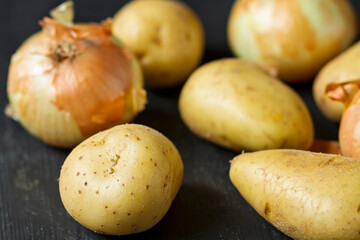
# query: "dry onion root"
[70,81]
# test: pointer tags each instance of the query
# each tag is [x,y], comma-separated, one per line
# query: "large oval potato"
[122,180]
[166,36]
[339,76]
[305,195]
[235,104]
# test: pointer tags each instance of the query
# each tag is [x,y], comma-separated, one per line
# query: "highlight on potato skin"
[121,181]
[231,102]
[305,195]
[292,39]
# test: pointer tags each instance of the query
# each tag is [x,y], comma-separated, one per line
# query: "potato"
[305,195]
[121,181]
[339,76]
[166,36]
[235,104]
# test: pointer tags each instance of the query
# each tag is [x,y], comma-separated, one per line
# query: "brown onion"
[71,81]
[337,81]
[291,38]
[349,132]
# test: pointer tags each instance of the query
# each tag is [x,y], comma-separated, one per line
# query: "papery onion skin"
[326,146]
[291,38]
[342,72]
[349,131]
[67,83]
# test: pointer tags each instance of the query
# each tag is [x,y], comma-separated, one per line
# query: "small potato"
[167,37]
[121,181]
[336,82]
[235,104]
[305,195]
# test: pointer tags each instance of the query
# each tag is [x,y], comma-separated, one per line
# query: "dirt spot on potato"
[327,163]
[187,36]
[292,229]
[267,210]
[358,210]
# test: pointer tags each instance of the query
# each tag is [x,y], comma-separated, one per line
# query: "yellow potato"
[235,104]
[338,79]
[305,195]
[121,181]
[166,36]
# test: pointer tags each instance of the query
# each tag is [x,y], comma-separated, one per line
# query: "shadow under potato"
[198,221]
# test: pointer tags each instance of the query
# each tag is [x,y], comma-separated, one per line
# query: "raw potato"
[166,36]
[237,105]
[343,72]
[121,181]
[305,195]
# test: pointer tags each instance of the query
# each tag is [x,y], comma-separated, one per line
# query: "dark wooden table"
[207,206]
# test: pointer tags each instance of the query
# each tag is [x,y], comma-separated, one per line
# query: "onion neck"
[62,51]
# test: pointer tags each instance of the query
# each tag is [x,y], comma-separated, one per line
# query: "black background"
[206,207]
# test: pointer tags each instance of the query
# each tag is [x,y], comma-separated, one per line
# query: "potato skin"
[167,37]
[121,181]
[305,195]
[237,105]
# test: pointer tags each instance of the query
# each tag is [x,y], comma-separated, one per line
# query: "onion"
[70,81]
[291,38]
[349,132]
[337,81]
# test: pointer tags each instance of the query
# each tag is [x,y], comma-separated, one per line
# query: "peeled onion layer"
[66,83]
[292,39]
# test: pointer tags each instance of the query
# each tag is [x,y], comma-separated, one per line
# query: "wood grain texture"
[207,206]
